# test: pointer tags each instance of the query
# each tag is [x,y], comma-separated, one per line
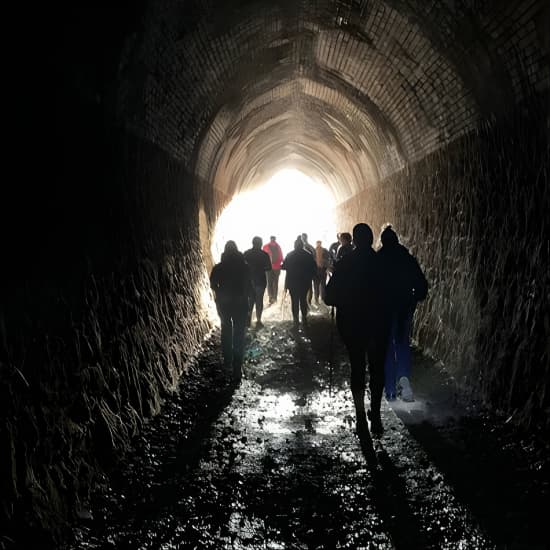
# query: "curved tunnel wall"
[432,116]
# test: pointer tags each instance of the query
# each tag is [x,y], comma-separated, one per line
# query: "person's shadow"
[389,495]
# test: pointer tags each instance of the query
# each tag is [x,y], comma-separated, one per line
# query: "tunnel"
[143,121]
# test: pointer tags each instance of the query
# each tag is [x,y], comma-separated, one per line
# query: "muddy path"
[276,463]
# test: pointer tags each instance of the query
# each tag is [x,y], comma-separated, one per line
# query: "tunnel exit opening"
[288,204]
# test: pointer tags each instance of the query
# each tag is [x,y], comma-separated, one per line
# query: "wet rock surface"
[276,463]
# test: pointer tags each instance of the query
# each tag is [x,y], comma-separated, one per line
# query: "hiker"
[275,253]
[300,269]
[405,285]
[322,259]
[232,285]
[355,290]
[345,247]
[259,263]
[333,248]
[311,250]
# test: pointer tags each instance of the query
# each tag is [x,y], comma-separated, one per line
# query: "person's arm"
[214,280]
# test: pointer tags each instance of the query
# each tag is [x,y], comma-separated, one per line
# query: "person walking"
[259,263]
[308,248]
[405,285]
[275,253]
[231,283]
[355,289]
[300,269]
[345,246]
[333,248]
[322,259]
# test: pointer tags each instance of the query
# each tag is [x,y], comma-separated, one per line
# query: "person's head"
[230,249]
[298,244]
[257,242]
[338,235]
[319,243]
[345,239]
[388,237]
[362,235]
[272,238]
[304,238]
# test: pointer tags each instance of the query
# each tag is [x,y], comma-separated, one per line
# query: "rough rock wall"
[89,355]
[476,216]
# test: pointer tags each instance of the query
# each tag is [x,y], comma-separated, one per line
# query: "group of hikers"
[374,292]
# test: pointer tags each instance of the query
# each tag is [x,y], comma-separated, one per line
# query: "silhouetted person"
[355,290]
[405,285]
[259,263]
[232,285]
[322,259]
[275,253]
[333,248]
[300,269]
[311,250]
[345,246]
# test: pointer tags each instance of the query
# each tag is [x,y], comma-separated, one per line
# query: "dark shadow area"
[505,489]
[499,474]
[148,481]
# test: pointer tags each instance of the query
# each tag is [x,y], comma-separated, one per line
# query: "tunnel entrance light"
[289,204]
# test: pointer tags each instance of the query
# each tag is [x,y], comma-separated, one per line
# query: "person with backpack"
[259,263]
[322,259]
[300,269]
[355,288]
[231,283]
[273,249]
[405,286]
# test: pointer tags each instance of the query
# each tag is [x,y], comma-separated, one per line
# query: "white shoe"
[406,390]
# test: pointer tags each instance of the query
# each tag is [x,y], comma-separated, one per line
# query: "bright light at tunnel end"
[288,204]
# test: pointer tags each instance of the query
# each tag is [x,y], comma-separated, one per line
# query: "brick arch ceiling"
[346,90]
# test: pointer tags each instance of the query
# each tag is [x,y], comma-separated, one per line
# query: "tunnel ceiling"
[347,91]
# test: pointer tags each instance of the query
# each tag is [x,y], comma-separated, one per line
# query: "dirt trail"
[276,463]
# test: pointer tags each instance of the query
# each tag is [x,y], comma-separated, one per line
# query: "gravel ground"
[275,463]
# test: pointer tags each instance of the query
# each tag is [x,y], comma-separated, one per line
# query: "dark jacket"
[344,250]
[354,287]
[231,280]
[259,263]
[300,269]
[404,281]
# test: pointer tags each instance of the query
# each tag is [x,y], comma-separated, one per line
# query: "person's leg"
[259,290]
[354,342]
[390,362]
[226,337]
[304,303]
[294,304]
[316,286]
[240,316]
[271,286]
[377,351]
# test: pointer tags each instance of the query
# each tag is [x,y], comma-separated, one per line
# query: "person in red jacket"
[276,257]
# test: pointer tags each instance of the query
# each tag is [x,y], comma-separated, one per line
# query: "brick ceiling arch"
[350,90]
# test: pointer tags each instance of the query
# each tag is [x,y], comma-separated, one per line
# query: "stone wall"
[476,215]
[91,349]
